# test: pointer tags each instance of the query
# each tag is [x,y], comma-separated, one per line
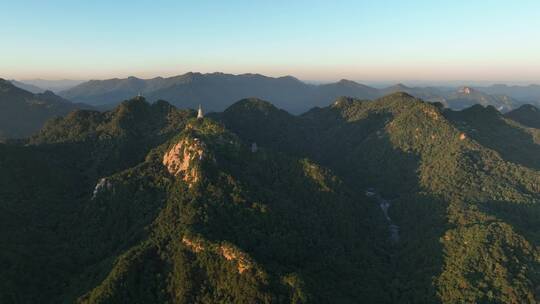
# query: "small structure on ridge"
[200,114]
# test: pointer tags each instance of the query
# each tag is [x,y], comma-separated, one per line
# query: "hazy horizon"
[317,41]
[374,83]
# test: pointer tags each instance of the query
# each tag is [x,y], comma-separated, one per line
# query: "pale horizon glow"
[491,41]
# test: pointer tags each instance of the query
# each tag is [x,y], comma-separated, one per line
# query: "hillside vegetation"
[147,204]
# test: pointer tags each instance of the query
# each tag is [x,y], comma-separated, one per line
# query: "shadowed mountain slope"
[527,115]
[148,204]
[23,113]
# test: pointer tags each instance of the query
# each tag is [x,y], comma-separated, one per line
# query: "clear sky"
[313,40]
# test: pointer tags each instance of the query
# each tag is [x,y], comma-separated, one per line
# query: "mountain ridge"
[216,91]
[156,205]
[23,113]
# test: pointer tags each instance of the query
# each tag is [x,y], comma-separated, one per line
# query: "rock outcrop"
[181,160]
[232,254]
[102,185]
[227,251]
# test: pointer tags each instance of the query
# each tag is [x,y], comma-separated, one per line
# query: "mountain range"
[23,113]
[41,85]
[217,91]
[530,93]
[391,200]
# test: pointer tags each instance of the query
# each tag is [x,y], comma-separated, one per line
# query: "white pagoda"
[200,114]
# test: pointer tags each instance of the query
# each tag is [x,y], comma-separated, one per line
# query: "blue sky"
[313,40]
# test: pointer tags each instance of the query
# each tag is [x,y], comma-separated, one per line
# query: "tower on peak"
[200,114]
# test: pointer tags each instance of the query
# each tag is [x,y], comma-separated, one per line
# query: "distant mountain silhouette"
[217,91]
[467,96]
[22,113]
[525,94]
[51,85]
[28,87]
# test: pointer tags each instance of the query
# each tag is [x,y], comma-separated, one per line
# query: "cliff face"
[181,160]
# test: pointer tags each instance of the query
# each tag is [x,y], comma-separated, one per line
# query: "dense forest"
[392,200]
[23,113]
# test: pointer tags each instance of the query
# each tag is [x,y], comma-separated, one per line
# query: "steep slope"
[457,201]
[22,113]
[491,129]
[527,115]
[45,185]
[388,201]
[200,218]
[231,231]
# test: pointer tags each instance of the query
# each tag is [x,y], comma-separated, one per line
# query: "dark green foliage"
[487,126]
[185,212]
[527,115]
[409,149]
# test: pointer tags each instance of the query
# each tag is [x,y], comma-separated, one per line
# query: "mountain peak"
[527,115]
[346,82]
[253,104]
[478,109]
[529,107]
[290,78]
[399,94]
[401,86]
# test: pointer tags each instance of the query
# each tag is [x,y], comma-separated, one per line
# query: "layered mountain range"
[22,113]
[217,91]
[392,200]
[25,111]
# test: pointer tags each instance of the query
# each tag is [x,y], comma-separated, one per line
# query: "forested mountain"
[22,113]
[217,91]
[394,200]
[466,201]
[527,115]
